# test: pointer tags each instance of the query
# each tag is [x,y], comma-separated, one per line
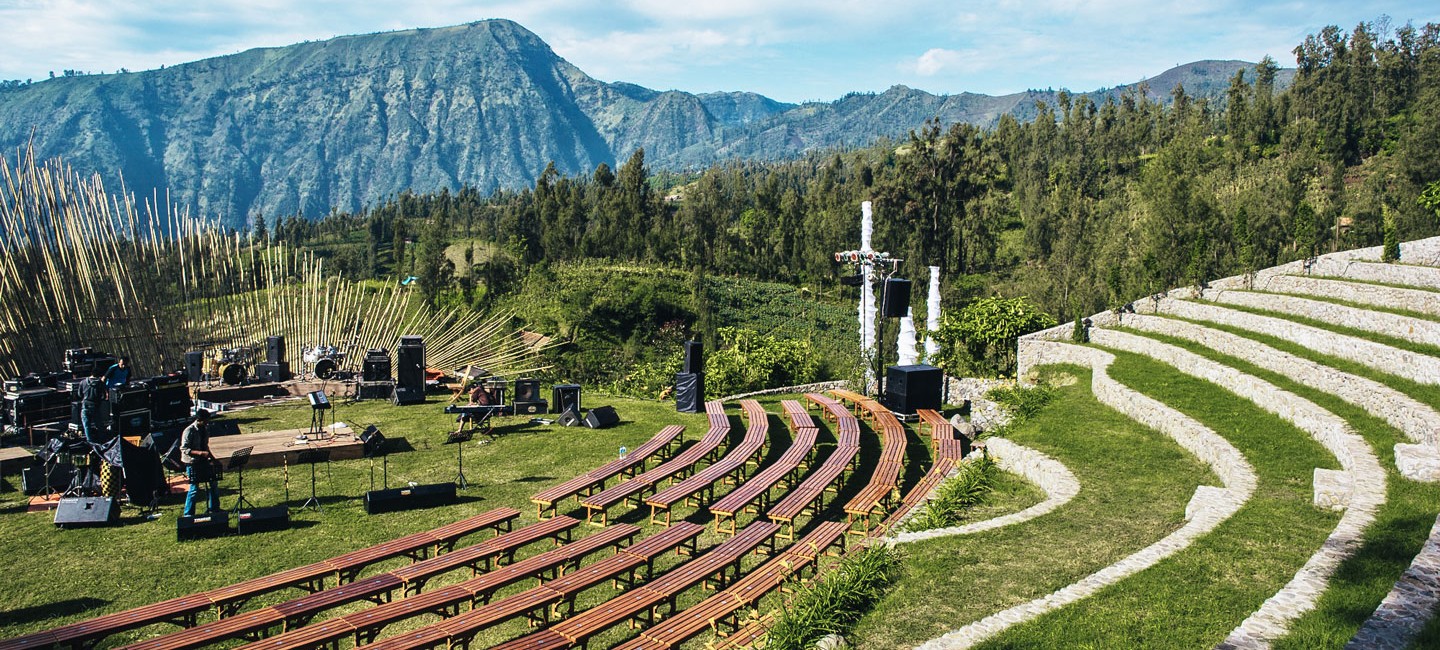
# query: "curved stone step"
[1425,252]
[1058,482]
[1417,420]
[1416,300]
[1416,367]
[1365,478]
[1407,328]
[1207,509]
[1411,603]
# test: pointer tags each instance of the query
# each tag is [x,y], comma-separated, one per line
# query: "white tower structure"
[905,345]
[868,308]
[932,316]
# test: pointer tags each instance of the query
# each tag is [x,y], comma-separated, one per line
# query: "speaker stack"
[195,365]
[170,400]
[690,381]
[908,388]
[410,370]
[275,369]
[527,398]
[375,378]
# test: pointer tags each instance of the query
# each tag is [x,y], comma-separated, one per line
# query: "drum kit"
[230,365]
[324,360]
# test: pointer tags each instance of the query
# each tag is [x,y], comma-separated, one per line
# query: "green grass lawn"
[1134,487]
[1195,597]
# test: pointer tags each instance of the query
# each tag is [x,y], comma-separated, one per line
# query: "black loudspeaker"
[689,392]
[908,388]
[694,357]
[210,524]
[194,365]
[570,418]
[260,520]
[599,418]
[375,366]
[535,407]
[565,397]
[376,390]
[272,371]
[408,498]
[528,390]
[87,511]
[130,397]
[410,370]
[896,300]
[170,403]
[132,423]
[275,349]
[374,441]
[32,479]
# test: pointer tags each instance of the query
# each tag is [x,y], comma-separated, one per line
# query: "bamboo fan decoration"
[81,267]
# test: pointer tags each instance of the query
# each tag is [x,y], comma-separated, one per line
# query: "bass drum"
[233,373]
[325,368]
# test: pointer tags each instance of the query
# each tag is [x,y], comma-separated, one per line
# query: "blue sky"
[792,51]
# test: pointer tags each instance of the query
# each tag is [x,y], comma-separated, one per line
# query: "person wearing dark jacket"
[92,396]
[199,463]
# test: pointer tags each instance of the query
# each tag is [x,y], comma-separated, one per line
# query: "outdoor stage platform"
[272,447]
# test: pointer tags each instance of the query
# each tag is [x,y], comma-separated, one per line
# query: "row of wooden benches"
[681,465]
[781,474]
[661,446]
[880,494]
[730,468]
[228,600]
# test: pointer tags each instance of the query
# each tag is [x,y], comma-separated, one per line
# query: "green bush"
[979,340]
[969,488]
[832,604]
[748,361]
[1022,403]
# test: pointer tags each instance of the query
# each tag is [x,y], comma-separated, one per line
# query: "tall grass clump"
[956,496]
[832,604]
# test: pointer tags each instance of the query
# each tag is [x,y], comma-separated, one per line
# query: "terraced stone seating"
[682,464]
[782,473]
[661,446]
[228,600]
[730,468]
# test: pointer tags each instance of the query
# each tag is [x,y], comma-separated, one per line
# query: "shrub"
[832,604]
[969,488]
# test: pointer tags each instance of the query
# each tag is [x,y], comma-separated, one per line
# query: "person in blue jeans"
[195,453]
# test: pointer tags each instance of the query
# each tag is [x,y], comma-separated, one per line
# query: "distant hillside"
[341,123]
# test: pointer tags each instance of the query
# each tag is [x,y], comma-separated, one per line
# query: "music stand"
[311,457]
[371,450]
[460,464]
[319,404]
[238,460]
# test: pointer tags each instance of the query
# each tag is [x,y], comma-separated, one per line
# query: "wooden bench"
[310,578]
[810,494]
[681,464]
[417,545]
[546,639]
[183,611]
[732,464]
[500,548]
[800,419]
[622,567]
[940,428]
[457,631]
[661,446]
[758,487]
[856,400]
[875,498]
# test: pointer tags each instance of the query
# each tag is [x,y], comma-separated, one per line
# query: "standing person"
[119,374]
[195,453]
[92,397]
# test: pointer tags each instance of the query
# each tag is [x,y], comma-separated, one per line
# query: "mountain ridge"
[341,123]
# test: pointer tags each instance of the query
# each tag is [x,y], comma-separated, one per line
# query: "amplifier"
[376,390]
[170,402]
[261,520]
[407,498]
[87,511]
[32,479]
[210,524]
[410,394]
[531,408]
[131,396]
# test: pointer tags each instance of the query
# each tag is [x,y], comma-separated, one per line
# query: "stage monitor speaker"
[132,423]
[376,390]
[528,390]
[570,418]
[32,479]
[694,357]
[604,416]
[375,366]
[896,300]
[79,512]
[908,388]
[565,397]
[275,349]
[260,520]
[273,371]
[409,498]
[194,365]
[410,365]
[533,407]
[210,524]
[373,441]
[407,395]
[689,392]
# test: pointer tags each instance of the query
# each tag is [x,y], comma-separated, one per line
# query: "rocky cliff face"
[341,123]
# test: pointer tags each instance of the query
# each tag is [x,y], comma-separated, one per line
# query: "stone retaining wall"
[1405,328]
[1403,614]
[1417,300]
[803,388]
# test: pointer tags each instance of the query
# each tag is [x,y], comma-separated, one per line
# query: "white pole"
[932,316]
[867,294]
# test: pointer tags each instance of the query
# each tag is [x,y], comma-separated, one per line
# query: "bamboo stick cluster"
[80,267]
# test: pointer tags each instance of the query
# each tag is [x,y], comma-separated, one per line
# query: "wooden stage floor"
[273,447]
